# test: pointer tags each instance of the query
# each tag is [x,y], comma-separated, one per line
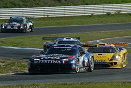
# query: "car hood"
[106,57]
[12,24]
[53,56]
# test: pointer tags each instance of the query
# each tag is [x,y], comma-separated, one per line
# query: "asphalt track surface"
[71,29]
[98,75]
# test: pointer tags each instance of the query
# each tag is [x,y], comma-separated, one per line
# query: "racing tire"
[122,63]
[77,68]
[91,65]
[25,30]
[32,28]
[126,61]
[28,30]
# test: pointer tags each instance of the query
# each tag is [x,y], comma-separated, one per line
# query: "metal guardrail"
[59,11]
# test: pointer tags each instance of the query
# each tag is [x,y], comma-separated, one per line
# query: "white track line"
[20,48]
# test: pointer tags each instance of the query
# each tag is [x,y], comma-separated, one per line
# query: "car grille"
[52,67]
[105,65]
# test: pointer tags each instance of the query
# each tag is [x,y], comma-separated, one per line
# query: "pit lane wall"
[35,12]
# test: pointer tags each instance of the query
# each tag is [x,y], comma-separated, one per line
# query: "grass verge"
[80,20]
[129,50]
[36,41]
[41,3]
[12,66]
[73,85]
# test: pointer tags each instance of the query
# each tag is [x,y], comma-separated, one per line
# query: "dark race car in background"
[17,24]
[60,40]
[62,58]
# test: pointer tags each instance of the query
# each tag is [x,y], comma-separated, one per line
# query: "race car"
[17,24]
[60,40]
[62,58]
[107,55]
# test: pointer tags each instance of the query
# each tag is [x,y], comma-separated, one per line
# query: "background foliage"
[43,3]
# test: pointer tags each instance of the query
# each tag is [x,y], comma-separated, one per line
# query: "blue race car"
[62,58]
[60,40]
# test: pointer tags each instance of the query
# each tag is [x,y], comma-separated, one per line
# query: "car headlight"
[65,59]
[3,26]
[36,59]
[21,26]
[117,56]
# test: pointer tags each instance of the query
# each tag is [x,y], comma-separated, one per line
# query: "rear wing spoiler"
[102,44]
[54,38]
[119,44]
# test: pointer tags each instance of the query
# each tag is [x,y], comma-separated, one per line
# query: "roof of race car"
[18,18]
[72,46]
[105,44]
[106,47]
[102,47]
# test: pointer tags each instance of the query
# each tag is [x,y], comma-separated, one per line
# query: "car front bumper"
[50,68]
[12,30]
[112,64]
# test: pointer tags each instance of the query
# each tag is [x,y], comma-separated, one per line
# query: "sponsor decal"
[8,27]
[100,56]
[48,61]
[100,61]
[51,57]
[63,47]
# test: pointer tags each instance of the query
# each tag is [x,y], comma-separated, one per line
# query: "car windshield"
[68,42]
[102,50]
[65,51]
[16,20]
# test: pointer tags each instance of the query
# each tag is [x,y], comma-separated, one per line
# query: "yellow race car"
[108,55]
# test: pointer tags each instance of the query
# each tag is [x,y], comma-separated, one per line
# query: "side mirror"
[42,52]
[10,17]
[120,49]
